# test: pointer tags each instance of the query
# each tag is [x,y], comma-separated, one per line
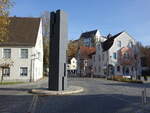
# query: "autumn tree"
[46,55]
[145,51]
[46,40]
[5,5]
[72,48]
[46,23]
[145,58]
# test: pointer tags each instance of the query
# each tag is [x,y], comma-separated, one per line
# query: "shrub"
[129,80]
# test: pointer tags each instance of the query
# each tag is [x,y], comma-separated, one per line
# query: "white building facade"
[117,55]
[72,67]
[73,64]
[22,55]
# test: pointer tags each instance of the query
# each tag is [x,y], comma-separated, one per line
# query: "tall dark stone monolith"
[58,47]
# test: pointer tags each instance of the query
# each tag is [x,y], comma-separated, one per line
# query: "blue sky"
[109,16]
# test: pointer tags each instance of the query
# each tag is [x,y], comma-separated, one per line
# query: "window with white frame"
[103,56]
[24,53]
[130,45]
[23,71]
[119,43]
[118,68]
[87,41]
[99,68]
[6,53]
[6,71]
[115,55]
[99,46]
[99,57]
[94,58]
[39,55]
[95,69]
[126,55]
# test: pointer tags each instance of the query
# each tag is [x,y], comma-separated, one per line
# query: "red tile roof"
[86,51]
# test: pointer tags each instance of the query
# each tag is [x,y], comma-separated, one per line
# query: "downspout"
[33,60]
[107,65]
[30,72]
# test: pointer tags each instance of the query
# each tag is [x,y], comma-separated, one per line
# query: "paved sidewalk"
[144,109]
[22,89]
[99,96]
[39,82]
[68,91]
[39,88]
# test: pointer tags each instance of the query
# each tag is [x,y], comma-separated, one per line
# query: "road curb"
[70,90]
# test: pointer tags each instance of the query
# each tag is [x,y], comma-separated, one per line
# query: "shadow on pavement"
[100,103]
[14,89]
[144,85]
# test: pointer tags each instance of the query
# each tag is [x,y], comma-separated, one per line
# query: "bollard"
[142,97]
[145,97]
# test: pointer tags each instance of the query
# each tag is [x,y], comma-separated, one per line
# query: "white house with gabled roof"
[117,55]
[90,38]
[21,55]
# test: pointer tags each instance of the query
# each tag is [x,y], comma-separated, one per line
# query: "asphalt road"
[100,96]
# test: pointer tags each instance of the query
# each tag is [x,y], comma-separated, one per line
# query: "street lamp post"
[33,58]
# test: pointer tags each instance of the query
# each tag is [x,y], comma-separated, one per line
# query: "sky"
[108,16]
